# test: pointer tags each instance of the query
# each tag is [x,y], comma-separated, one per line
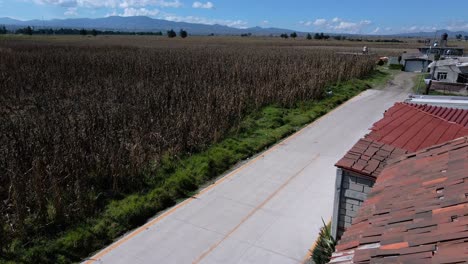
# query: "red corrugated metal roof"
[459,116]
[411,128]
[417,211]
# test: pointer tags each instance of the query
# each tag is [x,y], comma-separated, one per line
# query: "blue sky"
[343,16]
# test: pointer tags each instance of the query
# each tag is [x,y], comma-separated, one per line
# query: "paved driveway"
[269,210]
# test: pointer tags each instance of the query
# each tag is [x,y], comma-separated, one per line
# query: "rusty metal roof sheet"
[417,211]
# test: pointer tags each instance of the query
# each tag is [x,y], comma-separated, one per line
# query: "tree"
[94,32]
[466,38]
[294,35]
[459,36]
[83,32]
[285,36]
[3,30]
[183,33]
[317,36]
[309,36]
[28,31]
[171,33]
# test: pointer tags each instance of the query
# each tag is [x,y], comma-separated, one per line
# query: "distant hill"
[147,24]
[139,24]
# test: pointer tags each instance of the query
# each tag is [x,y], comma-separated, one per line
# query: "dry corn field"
[79,124]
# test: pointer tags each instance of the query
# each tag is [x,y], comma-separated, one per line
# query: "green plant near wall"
[325,246]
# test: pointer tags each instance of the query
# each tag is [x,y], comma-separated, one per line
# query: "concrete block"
[356,187]
[347,225]
[355,195]
[352,213]
[349,207]
[350,179]
[348,219]
[352,201]
[364,181]
[367,189]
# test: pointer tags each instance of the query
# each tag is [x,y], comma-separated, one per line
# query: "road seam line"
[286,183]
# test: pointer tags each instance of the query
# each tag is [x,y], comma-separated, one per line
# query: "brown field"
[81,119]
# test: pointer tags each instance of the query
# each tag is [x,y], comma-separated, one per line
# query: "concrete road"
[269,210]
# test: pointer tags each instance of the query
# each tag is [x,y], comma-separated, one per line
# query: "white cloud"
[71,11]
[207,5]
[111,3]
[63,3]
[338,25]
[145,3]
[206,21]
[376,30]
[265,23]
[415,28]
[459,25]
[139,12]
[320,22]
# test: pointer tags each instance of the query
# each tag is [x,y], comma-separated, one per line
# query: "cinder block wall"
[353,189]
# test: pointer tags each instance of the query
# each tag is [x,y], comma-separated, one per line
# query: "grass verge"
[183,176]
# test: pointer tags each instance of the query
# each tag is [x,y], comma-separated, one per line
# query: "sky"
[331,16]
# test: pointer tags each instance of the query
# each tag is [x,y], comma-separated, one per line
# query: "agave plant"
[325,245]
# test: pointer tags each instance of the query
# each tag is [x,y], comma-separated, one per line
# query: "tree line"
[460,37]
[69,31]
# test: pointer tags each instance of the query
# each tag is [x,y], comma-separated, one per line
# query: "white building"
[450,70]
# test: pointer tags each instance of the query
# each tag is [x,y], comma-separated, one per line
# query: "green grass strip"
[183,177]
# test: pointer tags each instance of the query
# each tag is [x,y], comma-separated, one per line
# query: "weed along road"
[269,210]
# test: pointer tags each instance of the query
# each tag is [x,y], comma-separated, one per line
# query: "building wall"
[452,76]
[416,65]
[350,193]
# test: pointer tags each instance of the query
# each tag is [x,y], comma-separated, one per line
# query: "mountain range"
[139,24]
[147,24]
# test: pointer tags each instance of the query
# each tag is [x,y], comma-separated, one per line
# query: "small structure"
[441,48]
[451,70]
[405,128]
[433,51]
[450,75]
[416,213]
[417,64]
